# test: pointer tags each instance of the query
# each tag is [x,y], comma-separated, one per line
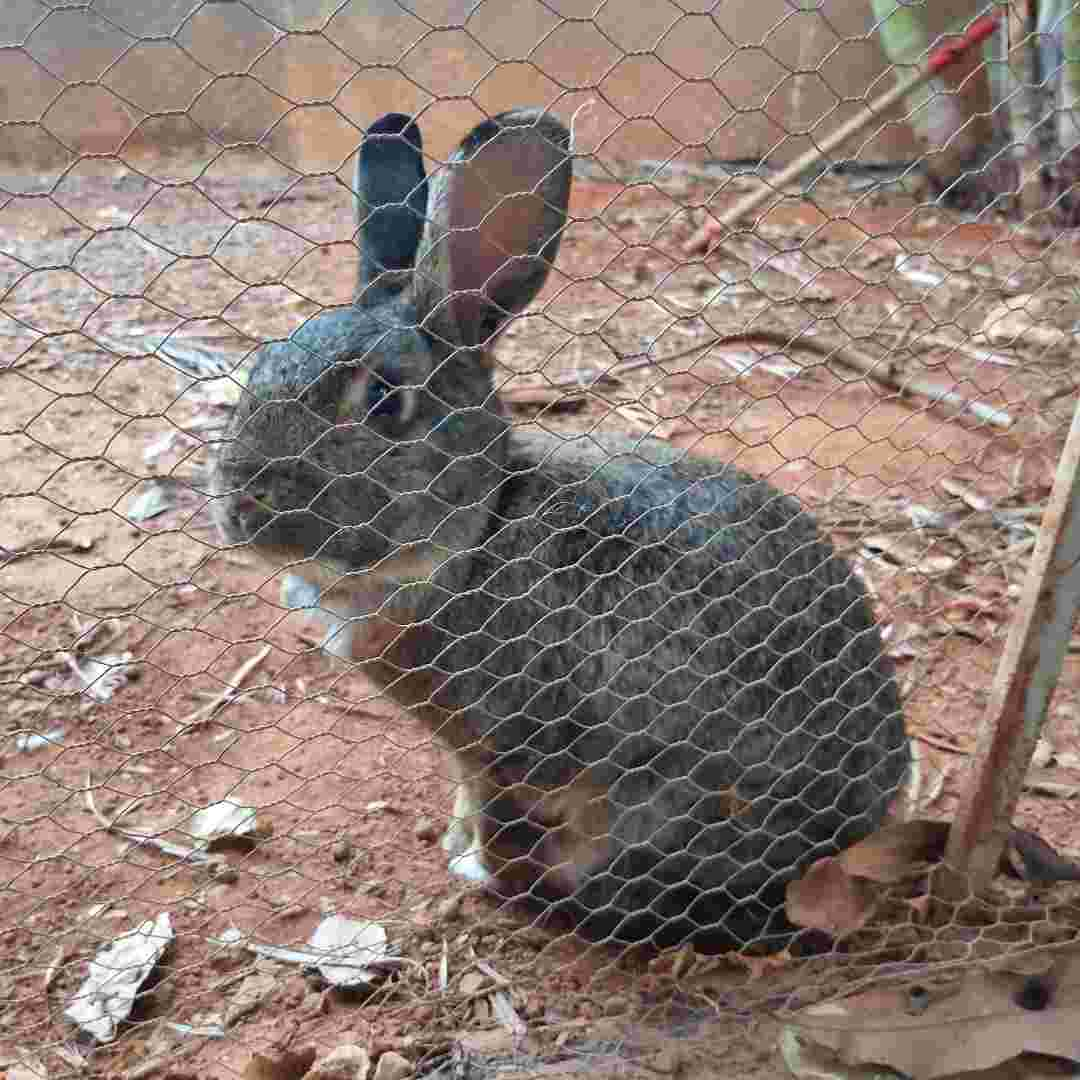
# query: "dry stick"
[177,851]
[1027,673]
[942,57]
[208,711]
[830,348]
[703,240]
[54,966]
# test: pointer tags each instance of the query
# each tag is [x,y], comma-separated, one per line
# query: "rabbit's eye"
[383,399]
[379,398]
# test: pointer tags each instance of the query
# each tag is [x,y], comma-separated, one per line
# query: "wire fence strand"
[501,572]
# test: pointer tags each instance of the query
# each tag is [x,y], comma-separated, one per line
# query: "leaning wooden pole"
[1026,677]
[710,234]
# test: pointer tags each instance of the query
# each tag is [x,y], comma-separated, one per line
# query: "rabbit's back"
[662,690]
[683,632]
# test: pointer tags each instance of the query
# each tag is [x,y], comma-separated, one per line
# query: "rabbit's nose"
[245,503]
[255,502]
[261,494]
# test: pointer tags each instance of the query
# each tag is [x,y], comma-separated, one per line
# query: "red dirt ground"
[348,785]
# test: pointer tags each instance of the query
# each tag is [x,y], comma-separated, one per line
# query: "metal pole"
[1025,679]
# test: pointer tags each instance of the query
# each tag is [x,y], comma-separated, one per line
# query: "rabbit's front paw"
[470,865]
[457,839]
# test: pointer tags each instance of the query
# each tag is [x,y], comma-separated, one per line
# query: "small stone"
[294,991]
[616,1005]
[535,1007]
[294,910]
[342,850]
[668,1061]
[487,1043]
[472,982]
[224,874]
[348,1062]
[449,909]
[315,1003]
[249,995]
[426,830]
[392,1066]
[228,958]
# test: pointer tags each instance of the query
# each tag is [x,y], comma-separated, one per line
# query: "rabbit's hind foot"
[461,841]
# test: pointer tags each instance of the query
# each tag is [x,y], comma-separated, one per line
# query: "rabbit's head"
[371,439]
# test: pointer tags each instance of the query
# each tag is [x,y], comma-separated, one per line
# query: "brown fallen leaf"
[829,898]
[979,1022]
[895,851]
[809,1062]
[904,849]
[283,1065]
[838,894]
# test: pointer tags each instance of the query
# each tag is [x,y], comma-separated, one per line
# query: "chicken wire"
[192,780]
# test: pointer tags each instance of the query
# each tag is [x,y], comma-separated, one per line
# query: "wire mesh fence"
[407,421]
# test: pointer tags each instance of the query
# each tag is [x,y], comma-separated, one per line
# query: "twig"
[507,1015]
[40,547]
[490,972]
[936,393]
[941,744]
[229,693]
[630,362]
[982,356]
[166,847]
[833,349]
[54,967]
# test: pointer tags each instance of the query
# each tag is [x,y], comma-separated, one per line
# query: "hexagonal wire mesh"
[644,595]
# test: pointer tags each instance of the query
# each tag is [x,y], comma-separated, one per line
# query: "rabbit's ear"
[391,200]
[495,218]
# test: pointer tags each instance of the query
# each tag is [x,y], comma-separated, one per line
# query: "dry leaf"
[117,973]
[828,898]
[921,270]
[348,950]
[153,500]
[224,824]
[100,677]
[28,741]
[975,1024]
[896,851]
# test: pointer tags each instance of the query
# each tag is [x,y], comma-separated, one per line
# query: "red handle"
[951,51]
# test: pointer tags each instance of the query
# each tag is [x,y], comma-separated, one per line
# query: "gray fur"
[673,626]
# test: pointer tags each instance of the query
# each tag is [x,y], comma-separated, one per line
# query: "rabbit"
[662,692]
